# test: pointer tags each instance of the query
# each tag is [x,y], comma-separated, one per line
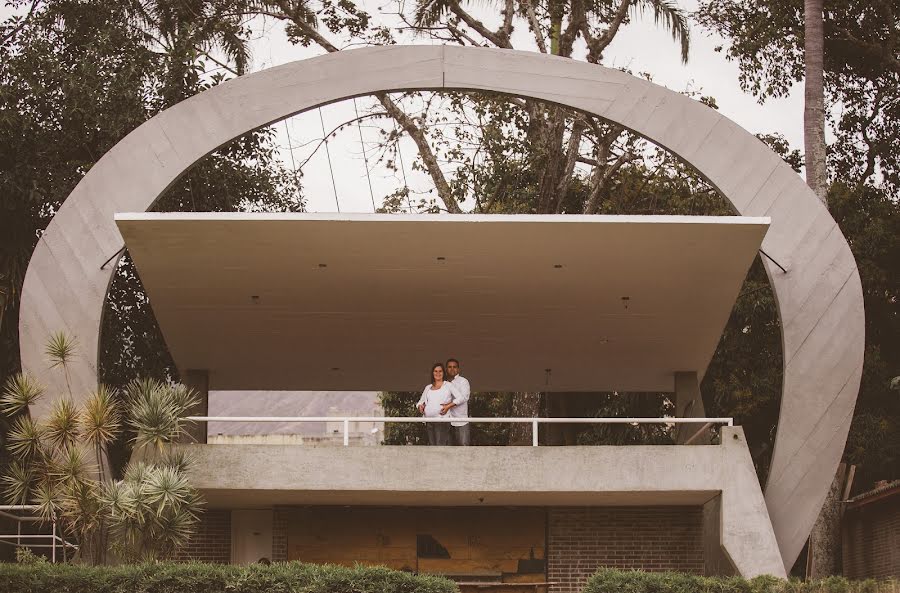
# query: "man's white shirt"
[459,386]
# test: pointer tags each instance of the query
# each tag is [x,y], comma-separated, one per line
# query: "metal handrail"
[346,420]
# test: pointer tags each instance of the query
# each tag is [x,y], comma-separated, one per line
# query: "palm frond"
[101,420]
[430,12]
[60,349]
[156,411]
[46,498]
[62,426]
[20,392]
[673,19]
[17,483]
[71,466]
[25,438]
[177,460]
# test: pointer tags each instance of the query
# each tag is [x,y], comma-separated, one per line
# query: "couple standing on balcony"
[448,393]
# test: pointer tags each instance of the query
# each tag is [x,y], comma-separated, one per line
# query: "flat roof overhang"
[369,301]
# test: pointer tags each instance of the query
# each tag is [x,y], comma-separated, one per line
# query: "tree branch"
[571,157]
[497,38]
[11,35]
[597,45]
[535,26]
[406,122]
[428,157]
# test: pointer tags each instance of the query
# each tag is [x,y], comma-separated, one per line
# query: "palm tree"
[50,466]
[814,98]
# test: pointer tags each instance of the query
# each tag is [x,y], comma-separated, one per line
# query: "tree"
[861,72]
[814,98]
[76,78]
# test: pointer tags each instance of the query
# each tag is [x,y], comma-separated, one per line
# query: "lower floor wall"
[541,548]
[212,540]
[583,539]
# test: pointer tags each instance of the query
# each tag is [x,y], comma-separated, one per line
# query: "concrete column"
[688,404]
[746,534]
[198,380]
[715,559]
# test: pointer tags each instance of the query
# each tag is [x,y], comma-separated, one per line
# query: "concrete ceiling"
[368,302]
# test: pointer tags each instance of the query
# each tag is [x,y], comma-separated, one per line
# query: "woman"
[436,394]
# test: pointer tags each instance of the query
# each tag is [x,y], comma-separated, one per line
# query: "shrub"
[635,581]
[288,577]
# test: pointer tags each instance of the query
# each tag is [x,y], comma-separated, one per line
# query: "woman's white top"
[434,399]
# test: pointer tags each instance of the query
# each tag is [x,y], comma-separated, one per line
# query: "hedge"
[288,577]
[635,581]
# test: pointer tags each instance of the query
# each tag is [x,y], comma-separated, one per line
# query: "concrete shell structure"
[818,290]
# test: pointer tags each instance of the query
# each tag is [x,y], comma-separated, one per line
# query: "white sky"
[640,47]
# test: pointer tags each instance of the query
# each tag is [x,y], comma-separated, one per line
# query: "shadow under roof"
[369,302]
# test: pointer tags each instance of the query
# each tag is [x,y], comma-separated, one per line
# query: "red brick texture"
[582,539]
[212,542]
[871,540]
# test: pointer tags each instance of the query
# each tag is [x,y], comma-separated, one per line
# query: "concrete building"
[549,303]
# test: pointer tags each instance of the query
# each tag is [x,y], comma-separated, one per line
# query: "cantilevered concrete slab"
[343,302]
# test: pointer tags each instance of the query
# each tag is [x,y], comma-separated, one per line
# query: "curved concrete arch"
[819,297]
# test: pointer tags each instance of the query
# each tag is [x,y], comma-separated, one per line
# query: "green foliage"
[155,411]
[623,581]
[481,405]
[148,513]
[862,72]
[212,578]
[870,219]
[25,556]
[153,510]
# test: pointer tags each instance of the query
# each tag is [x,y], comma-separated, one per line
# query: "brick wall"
[280,517]
[871,540]
[582,539]
[212,542]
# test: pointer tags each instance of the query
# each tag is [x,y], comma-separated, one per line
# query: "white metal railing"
[56,541]
[346,420]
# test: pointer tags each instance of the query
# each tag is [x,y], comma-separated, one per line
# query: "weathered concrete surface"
[819,296]
[264,475]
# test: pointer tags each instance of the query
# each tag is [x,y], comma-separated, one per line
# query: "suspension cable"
[328,154]
[365,159]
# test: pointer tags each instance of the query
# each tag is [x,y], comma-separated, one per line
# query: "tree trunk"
[526,404]
[824,551]
[814,94]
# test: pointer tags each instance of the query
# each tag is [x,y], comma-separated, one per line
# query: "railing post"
[346,432]
[534,433]
[54,543]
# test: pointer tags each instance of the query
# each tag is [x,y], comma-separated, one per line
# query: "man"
[459,406]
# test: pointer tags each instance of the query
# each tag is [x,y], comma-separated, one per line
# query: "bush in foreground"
[289,577]
[635,581]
